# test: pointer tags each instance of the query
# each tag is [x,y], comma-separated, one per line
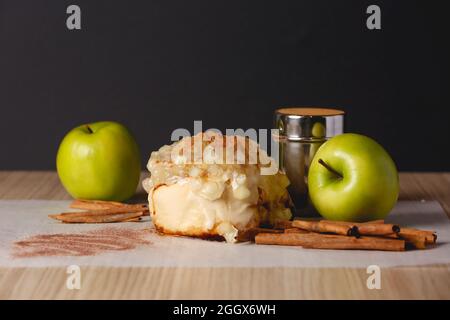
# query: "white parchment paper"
[23,218]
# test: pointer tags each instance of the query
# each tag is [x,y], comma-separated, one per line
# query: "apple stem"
[89,129]
[330,168]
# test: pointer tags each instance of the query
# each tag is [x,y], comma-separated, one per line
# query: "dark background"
[159,65]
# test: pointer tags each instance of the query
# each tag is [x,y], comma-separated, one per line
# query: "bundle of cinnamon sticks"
[324,234]
[98,211]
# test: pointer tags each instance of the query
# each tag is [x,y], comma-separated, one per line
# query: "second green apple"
[99,161]
[352,178]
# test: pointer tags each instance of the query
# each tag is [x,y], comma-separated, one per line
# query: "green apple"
[99,161]
[318,130]
[352,178]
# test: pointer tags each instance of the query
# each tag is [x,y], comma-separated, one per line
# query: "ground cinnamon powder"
[87,243]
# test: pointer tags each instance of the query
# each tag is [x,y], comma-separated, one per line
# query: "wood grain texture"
[430,282]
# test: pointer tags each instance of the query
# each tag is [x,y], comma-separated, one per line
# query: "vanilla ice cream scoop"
[202,196]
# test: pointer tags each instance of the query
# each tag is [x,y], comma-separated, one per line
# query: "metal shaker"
[301,132]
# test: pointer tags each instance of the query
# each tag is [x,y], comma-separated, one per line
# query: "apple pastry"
[212,186]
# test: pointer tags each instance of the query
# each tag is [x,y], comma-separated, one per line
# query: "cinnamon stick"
[99,218]
[410,233]
[371,228]
[326,226]
[282,224]
[133,219]
[377,229]
[103,212]
[416,240]
[249,234]
[295,230]
[380,221]
[92,205]
[324,241]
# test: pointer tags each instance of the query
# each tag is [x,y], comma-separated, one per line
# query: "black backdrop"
[159,65]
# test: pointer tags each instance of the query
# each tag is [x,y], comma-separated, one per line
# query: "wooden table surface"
[430,282]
